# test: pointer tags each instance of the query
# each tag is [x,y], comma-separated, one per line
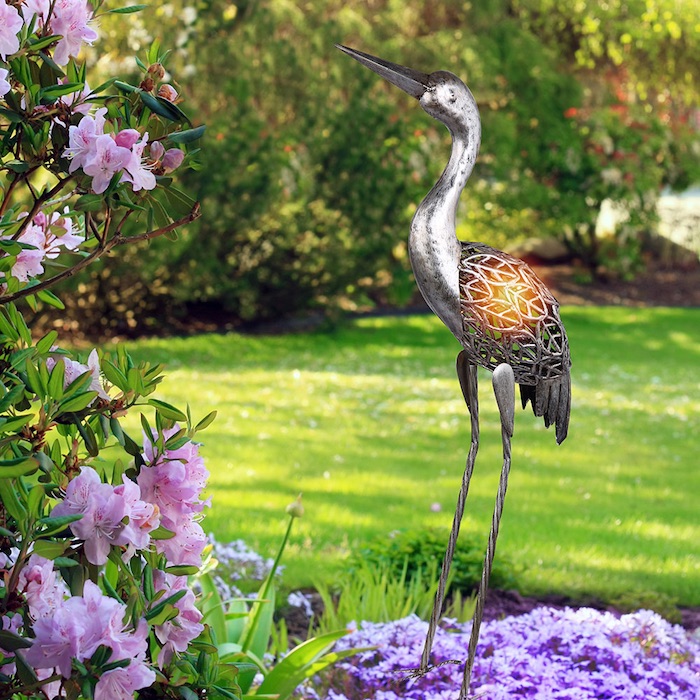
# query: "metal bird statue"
[502,314]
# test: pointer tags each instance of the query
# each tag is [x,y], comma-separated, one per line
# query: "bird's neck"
[433,245]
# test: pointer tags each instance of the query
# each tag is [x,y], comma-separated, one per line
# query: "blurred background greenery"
[311,167]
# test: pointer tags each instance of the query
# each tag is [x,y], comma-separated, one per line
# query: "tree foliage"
[316,166]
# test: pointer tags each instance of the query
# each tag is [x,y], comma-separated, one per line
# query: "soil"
[658,286]
[499,604]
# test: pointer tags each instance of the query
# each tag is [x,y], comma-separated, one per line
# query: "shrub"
[422,551]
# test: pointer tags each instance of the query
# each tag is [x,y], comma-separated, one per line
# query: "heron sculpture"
[501,313]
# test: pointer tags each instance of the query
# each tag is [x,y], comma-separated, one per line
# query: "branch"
[38,203]
[105,247]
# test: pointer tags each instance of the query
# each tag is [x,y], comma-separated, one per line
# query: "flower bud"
[156,71]
[126,138]
[157,150]
[172,159]
[147,84]
[295,509]
[167,92]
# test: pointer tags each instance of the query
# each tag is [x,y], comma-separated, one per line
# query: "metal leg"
[504,388]
[466,373]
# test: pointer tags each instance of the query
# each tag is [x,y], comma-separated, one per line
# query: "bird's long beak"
[409,80]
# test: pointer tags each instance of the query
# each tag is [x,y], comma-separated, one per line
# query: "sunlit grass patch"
[369,423]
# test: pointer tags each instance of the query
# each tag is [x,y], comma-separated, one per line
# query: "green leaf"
[167,411]
[13,423]
[34,379]
[8,496]
[90,202]
[169,612]
[24,671]
[35,500]
[157,610]
[188,135]
[53,92]
[56,378]
[89,437]
[43,42]
[116,428]
[126,10]
[153,51]
[125,87]
[20,466]
[50,549]
[161,533]
[298,665]
[212,608]
[205,422]
[182,570]
[162,107]
[53,525]
[114,375]
[11,116]
[50,298]
[12,642]
[78,385]
[77,402]
[64,562]
[47,342]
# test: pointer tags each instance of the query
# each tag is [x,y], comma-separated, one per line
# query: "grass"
[368,422]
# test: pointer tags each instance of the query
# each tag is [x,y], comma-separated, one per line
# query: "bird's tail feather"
[551,399]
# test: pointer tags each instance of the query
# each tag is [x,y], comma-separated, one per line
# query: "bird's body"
[501,313]
[494,304]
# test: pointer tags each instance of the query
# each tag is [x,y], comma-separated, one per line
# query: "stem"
[19,563]
[38,203]
[265,590]
[32,686]
[116,240]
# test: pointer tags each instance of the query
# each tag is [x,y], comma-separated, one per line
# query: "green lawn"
[369,423]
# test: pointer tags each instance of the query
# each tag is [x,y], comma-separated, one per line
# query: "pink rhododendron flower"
[29,260]
[107,159]
[42,588]
[186,546]
[137,172]
[74,369]
[10,24]
[5,86]
[121,683]
[143,517]
[47,235]
[111,515]
[174,481]
[58,638]
[176,634]
[9,624]
[79,626]
[70,19]
[81,139]
[102,511]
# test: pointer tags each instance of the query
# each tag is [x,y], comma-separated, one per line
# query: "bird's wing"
[509,316]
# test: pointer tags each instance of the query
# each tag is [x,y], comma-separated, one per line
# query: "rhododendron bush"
[99,529]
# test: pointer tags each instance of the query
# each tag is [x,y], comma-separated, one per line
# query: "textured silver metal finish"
[502,314]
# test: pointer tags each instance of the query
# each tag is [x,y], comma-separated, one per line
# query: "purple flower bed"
[547,654]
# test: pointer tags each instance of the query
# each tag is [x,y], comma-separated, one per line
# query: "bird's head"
[441,94]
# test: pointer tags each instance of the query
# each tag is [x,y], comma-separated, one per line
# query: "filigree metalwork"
[510,316]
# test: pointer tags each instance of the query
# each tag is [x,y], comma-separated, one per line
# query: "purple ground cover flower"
[545,655]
